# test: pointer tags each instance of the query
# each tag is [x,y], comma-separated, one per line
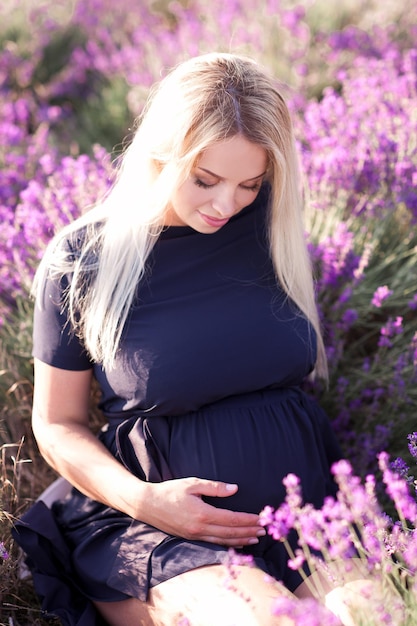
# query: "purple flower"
[413,349]
[235,558]
[291,483]
[298,561]
[342,468]
[399,466]
[410,552]
[392,327]
[397,489]
[279,522]
[3,552]
[266,516]
[350,316]
[311,523]
[305,612]
[412,444]
[346,295]
[370,539]
[381,294]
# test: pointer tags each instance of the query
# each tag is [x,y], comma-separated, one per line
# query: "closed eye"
[255,187]
[200,183]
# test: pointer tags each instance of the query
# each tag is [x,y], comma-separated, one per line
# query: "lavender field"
[75,74]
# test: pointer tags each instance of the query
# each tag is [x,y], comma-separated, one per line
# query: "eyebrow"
[217,176]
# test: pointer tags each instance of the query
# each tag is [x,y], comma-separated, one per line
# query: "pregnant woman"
[187,294]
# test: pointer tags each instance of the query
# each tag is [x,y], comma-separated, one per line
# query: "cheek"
[192,196]
[244,198]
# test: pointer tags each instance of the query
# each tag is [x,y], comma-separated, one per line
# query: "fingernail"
[253,541]
[230,487]
[261,532]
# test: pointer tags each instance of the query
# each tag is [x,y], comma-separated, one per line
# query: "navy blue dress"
[207,383]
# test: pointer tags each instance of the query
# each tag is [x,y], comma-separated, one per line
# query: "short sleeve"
[54,341]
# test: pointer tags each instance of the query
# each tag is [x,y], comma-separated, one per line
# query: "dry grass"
[23,477]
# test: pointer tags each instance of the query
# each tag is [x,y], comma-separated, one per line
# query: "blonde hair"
[204,100]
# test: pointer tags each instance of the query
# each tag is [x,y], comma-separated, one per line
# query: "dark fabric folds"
[49,559]
[81,550]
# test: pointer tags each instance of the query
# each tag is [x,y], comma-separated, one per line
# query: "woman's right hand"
[177,508]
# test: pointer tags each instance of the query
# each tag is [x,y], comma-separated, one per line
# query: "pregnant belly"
[254,445]
[253,440]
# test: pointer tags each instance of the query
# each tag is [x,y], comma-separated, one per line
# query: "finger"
[233,520]
[213,488]
[222,534]
[239,534]
[226,517]
[230,542]
[204,527]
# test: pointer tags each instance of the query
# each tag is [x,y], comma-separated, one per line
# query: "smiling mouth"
[214,221]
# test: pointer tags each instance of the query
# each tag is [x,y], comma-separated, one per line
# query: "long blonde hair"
[204,100]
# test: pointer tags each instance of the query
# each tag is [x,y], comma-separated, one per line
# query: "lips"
[214,221]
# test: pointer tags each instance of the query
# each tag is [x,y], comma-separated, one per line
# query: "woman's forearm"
[77,455]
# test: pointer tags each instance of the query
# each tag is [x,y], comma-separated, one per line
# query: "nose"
[224,202]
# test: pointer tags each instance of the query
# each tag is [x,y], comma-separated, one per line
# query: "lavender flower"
[3,552]
[298,561]
[306,612]
[279,522]
[412,444]
[399,466]
[398,490]
[353,524]
[392,327]
[380,295]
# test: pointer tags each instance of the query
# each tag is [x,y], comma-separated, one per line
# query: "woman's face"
[226,178]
